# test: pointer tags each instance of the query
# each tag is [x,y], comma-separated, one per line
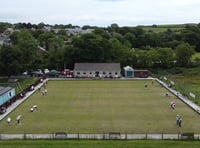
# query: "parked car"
[53,73]
[67,73]
[2,110]
[25,73]
[46,70]
[63,72]
[37,72]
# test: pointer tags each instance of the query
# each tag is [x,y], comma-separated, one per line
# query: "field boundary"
[100,136]
[191,104]
[106,136]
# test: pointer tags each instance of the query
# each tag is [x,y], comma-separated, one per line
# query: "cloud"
[110,0]
[101,12]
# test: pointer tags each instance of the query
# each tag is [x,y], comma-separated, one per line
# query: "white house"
[101,70]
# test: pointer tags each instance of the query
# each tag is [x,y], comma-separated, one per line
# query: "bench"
[187,136]
[114,135]
[60,135]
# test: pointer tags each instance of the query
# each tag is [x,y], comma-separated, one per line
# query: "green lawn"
[23,83]
[98,144]
[196,56]
[187,82]
[97,106]
[163,28]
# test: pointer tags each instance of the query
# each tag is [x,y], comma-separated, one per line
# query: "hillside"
[164,28]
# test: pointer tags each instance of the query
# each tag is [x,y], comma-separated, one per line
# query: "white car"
[46,70]
[25,73]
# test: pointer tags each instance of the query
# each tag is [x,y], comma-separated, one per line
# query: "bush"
[176,70]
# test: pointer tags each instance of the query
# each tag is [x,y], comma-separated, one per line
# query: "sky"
[100,13]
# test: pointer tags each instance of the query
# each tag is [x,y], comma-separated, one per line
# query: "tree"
[183,54]
[4,26]
[91,48]
[191,35]
[45,39]
[161,57]
[56,53]
[130,37]
[143,59]
[120,53]
[69,58]
[36,33]
[14,37]
[9,58]
[28,46]
[119,37]
[114,27]
[102,32]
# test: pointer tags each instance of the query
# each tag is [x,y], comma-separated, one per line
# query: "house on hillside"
[101,70]
[77,30]
[4,39]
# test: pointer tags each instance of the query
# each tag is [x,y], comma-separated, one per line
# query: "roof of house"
[4,90]
[141,70]
[97,67]
[128,68]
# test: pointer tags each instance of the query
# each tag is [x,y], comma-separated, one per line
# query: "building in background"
[129,72]
[101,70]
[6,94]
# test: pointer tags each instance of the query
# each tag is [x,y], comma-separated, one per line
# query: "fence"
[108,136]
[183,98]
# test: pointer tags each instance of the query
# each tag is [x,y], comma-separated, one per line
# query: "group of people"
[33,108]
[18,120]
[44,89]
[172,106]
[178,118]
[44,92]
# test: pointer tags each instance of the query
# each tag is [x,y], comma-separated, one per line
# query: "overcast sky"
[101,12]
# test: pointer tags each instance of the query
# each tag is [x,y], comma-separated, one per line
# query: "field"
[163,28]
[97,106]
[196,56]
[187,81]
[188,84]
[99,144]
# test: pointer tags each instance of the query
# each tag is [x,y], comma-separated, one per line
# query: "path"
[181,97]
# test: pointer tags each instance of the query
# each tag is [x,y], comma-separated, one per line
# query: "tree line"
[132,46]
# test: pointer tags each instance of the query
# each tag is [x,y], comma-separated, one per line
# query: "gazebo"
[128,72]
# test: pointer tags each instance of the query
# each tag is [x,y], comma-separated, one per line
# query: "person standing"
[177,120]
[18,119]
[9,120]
[172,105]
[180,122]
[152,82]
[45,91]
[145,85]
